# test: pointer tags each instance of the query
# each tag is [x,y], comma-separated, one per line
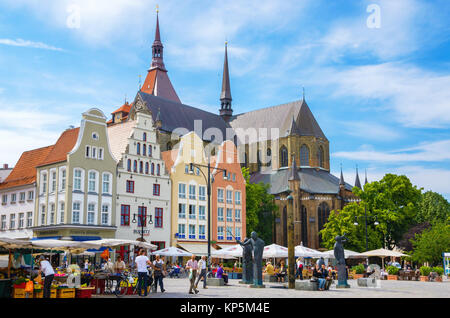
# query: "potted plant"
[439,271]
[359,271]
[424,272]
[392,272]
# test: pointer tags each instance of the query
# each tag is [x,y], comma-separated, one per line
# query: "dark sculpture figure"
[258,248]
[339,254]
[247,264]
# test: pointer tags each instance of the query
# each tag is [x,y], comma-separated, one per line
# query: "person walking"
[299,269]
[46,268]
[202,269]
[141,263]
[192,266]
[159,267]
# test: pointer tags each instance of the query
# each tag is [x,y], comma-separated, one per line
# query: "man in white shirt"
[141,263]
[192,266]
[202,268]
[49,273]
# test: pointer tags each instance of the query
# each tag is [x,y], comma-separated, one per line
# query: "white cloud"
[369,130]
[31,44]
[426,152]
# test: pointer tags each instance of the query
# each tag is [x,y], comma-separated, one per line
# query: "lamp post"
[291,247]
[209,182]
[142,219]
[365,221]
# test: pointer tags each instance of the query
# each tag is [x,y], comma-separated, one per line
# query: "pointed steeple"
[294,128]
[225,97]
[341,179]
[293,172]
[157,48]
[357,182]
[365,181]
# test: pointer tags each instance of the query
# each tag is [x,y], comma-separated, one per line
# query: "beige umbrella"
[383,253]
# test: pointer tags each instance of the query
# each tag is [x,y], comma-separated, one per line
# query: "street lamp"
[365,221]
[209,182]
[142,219]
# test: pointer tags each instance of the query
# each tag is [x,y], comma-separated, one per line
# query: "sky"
[376,73]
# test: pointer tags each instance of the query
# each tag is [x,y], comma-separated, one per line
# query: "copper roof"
[24,172]
[63,146]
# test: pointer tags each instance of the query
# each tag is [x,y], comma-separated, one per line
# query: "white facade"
[17,211]
[142,181]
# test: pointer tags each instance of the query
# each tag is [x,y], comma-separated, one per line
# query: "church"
[277,144]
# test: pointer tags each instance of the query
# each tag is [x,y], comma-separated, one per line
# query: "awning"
[197,249]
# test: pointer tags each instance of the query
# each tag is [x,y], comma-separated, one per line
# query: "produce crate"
[19,293]
[53,293]
[38,293]
[20,286]
[84,292]
[65,293]
[99,285]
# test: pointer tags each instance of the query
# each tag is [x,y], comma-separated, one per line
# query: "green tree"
[433,208]
[260,208]
[429,246]
[392,201]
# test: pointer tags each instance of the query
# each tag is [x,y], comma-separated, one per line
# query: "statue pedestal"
[342,286]
[257,286]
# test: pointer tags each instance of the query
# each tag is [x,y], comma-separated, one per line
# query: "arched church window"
[283,157]
[304,220]
[304,156]
[320,155]
[269,157]
[323,212]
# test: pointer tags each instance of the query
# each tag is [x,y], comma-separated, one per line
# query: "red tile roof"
[124,108]
[149,83]
[24,172]
[64,145]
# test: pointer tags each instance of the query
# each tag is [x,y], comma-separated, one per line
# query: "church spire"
[225,97]
[365,181]
[341,179]
[357,181]
[157,48]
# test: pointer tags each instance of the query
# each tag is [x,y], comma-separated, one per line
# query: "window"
[105,214]
[201,212]
[159,217]
[220,214]
[304,156]
[125,215]
[192,192]
[138,148]
[130,186]
[135,166]
[201,232]
[144,150]
[129,165]
[94,152]
[191,211]
[63,180]
[76,213]
[87,151]
[202,193]
[44,182]
[158,169]
[191,231]
[42,214]
[92,181]
[229,215]
[29,219]
[181,231]
[3,222]
[182,191]
[142,216]
[224,175]
[141,167]
[149,150]
[283,157]
[62,207]
[77,179]
[229,196]
[238,233]
[100,153]
[12,221]
[234,177]
[323,212]
[197,171]
[4,199]
[219,195]
[156,189]
[13,198]
[152,169]
[91,213]
[22,196]
[146,168]
[186,169]
[21,220]
[106,183]
[237,197]
[237,215]
[181,211]
[95,136]
[52,213]
[30,195]
[144,136]
[320,156]
[220,232]
[229,233]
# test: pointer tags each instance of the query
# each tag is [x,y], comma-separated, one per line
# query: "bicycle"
[126,282]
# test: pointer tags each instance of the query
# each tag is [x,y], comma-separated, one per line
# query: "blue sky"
[381,95]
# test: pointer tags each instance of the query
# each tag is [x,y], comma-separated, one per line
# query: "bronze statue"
[339,254]
[247,264]
[255,245]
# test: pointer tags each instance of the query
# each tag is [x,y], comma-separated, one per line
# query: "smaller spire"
[365,181]
[225,96]
[357,181]
[341,180]
[293,172]
[303,92]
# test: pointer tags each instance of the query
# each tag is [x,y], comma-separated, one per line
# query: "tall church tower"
[157,81]
[225,97]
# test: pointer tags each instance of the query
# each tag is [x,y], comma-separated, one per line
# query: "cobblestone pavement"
[178,288]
